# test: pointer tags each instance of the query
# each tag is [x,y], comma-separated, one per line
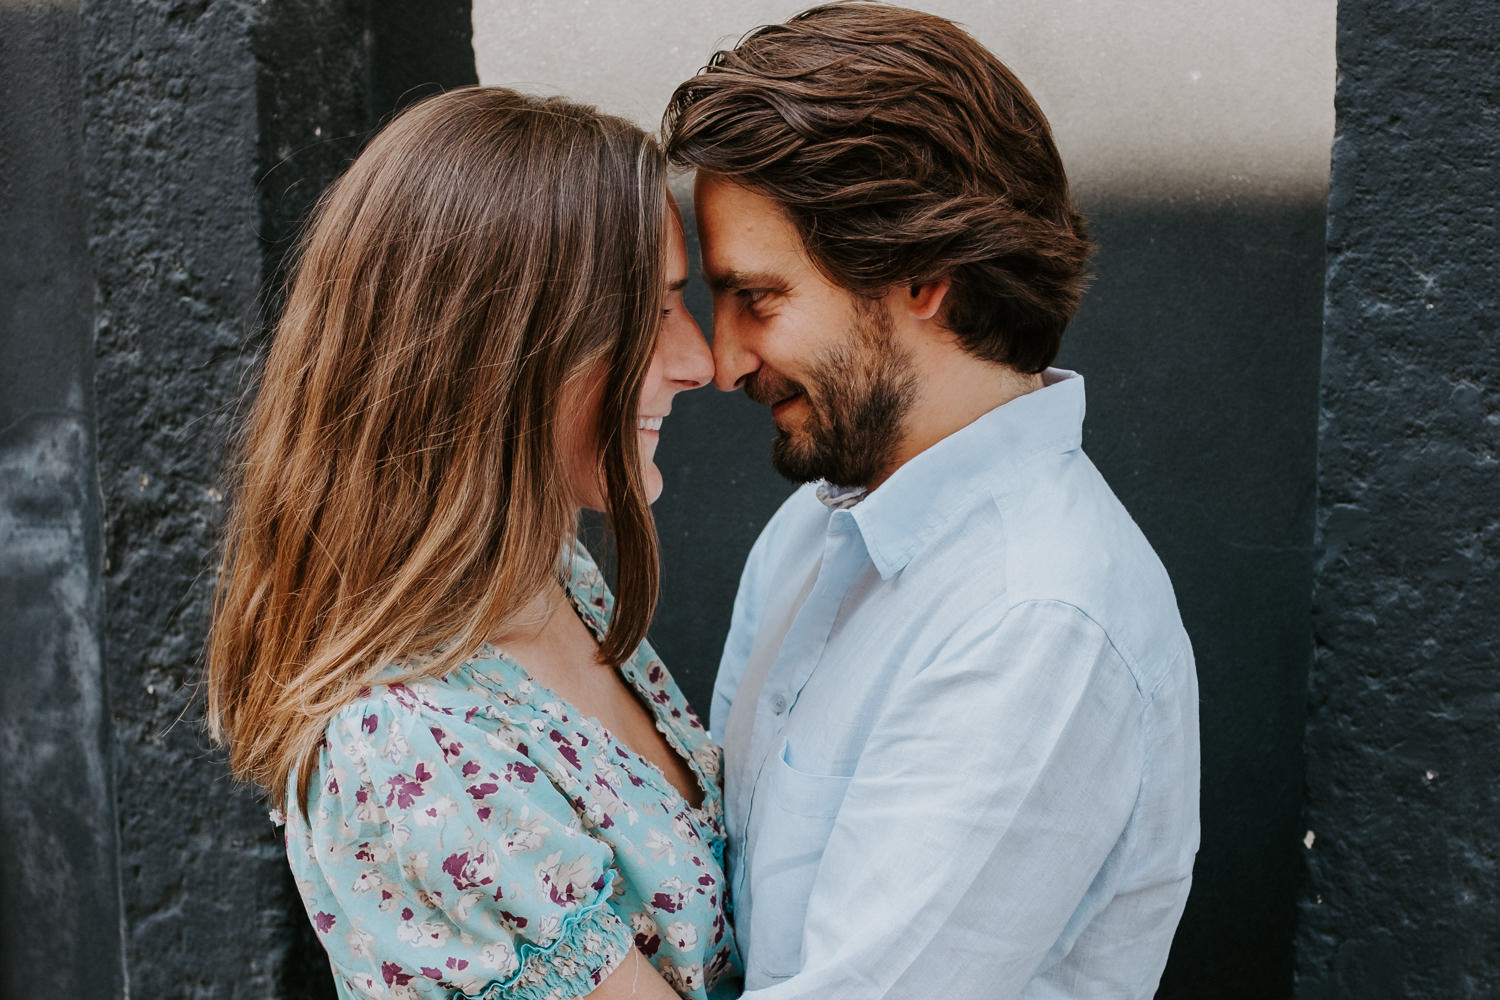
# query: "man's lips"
[783,407]
[778,393]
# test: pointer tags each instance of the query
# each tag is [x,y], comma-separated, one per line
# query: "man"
[958,705]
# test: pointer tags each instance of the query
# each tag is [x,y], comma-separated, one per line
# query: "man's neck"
[956,390]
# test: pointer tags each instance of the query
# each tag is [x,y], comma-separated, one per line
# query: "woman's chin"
[651,481]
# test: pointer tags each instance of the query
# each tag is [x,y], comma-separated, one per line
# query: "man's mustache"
[767,388]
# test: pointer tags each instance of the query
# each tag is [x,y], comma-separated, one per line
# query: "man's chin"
[793,461]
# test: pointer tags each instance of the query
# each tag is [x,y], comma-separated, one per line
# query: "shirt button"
[778,704]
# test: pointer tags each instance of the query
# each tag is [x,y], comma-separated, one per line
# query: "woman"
[491,786]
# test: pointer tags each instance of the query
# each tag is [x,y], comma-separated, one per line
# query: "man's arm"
[989,798]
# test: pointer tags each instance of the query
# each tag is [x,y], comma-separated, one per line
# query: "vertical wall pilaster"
[1403,898]
[211,128]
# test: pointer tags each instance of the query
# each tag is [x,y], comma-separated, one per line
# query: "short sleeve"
[455,865]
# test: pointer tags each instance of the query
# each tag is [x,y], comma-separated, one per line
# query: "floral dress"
[476,836]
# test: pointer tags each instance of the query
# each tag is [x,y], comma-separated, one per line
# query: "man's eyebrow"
[731,280]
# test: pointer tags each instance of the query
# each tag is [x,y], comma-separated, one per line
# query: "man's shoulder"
[1075,542]
[1057,534]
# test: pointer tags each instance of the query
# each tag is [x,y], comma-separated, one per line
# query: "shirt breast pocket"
[794,814]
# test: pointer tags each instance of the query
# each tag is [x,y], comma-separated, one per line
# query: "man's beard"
[858,395]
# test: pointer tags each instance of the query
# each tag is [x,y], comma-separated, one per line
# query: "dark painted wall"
[1200,344]
[1403,895]
[59,882]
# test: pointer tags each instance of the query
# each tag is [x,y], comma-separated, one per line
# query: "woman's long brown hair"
[400,492]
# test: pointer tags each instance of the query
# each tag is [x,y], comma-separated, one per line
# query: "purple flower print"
[393,974]
[566,749]
[451,747]
[482,790]
[403,790]
[323,921]
[517,771]
[370,723]
[469,871]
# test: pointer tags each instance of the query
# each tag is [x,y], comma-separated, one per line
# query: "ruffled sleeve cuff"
[591,944]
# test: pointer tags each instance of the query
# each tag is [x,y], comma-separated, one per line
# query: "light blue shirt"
[961,730]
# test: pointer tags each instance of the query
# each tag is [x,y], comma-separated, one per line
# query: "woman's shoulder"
[405,726]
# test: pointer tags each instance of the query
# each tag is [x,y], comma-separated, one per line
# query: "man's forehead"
[744,236]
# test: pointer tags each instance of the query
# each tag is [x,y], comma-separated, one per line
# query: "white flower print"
[436,811]
[465,903]
[415,867]
[661,846]
[682,934]
[427,934]
[396,749]
[500,956]
[400,824]
[526,832]
[368,880]
[566,882]
[688,977]
[359,942]
[371,986]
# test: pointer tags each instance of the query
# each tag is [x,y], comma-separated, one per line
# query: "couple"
[957,704]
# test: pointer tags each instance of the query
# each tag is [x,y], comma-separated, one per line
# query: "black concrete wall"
[60,930]
[1403,805]
[155,160]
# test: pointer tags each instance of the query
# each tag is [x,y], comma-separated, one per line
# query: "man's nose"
[733,362]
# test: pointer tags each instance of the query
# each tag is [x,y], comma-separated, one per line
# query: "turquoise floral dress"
[476,836]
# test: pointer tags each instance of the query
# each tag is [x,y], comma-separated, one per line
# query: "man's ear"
[924,301]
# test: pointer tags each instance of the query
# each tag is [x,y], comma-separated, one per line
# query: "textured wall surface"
[211,127]
[1403,804]
[59,882]
[171,111]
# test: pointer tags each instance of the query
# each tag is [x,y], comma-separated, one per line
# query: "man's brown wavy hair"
[903,151]
[400,492]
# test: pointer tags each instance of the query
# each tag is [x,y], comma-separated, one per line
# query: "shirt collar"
[898,519]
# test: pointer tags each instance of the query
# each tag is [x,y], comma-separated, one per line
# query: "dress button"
[778,704]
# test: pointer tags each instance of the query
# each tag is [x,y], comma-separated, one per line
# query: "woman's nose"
[689,363]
